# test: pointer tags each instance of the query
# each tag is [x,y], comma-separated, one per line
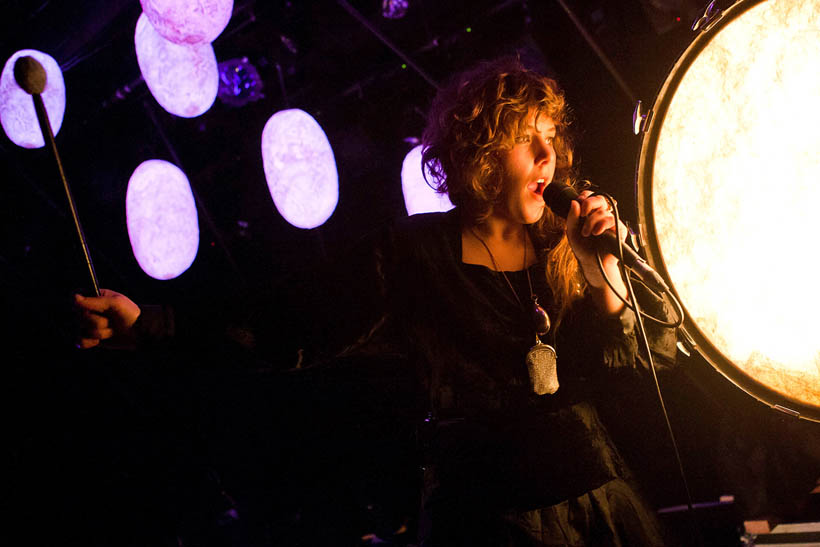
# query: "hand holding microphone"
[596,234]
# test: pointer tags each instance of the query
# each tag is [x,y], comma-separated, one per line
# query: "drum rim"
[643,191]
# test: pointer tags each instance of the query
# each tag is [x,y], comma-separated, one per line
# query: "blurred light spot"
[184,80]
[239,82]
[161,218]
[188,21]
[394,9]
[300,168]
[419,197]
[17,107]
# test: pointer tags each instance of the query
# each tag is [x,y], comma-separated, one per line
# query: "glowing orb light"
[17,108]
[188,21]
[419,197]
[183,79]
[735,193]
[161,219]
[300,168]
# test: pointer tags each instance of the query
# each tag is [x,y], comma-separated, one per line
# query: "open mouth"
[537,187]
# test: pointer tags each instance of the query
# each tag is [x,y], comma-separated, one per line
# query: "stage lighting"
[728,191]
[420,197]
[161,218]
[183,79]
[300,168]
[188,22]
[17,114]
[394,9]
[239,82]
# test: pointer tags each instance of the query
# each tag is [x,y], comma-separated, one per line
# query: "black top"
[467,334]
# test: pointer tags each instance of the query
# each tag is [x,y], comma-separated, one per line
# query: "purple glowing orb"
[188,22]
[17,108]
[183,79]
[419,197]
[161,218]
[300,168]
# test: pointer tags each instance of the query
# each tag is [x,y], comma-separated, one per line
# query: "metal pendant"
[542,319]
[541,365]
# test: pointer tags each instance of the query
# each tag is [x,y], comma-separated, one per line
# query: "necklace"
[541,358]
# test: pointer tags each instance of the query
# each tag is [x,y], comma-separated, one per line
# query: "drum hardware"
[686,345]
[711,15]
[640,118]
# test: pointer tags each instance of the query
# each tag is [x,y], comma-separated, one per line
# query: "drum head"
[728,188]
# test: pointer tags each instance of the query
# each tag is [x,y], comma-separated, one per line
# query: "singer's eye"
[522,139]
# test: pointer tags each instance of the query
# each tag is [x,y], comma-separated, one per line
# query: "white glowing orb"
[419,197]
[183,79]
[736,191]
[161,217]
[188,21]
[300,168]
[17,107]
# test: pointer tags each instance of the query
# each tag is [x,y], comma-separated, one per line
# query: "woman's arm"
[591,216]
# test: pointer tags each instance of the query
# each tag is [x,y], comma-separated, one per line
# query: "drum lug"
[642,235]
[686,344]
[640,119]
[711,15]
[789,411]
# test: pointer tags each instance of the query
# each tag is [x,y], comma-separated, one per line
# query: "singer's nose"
[544,152]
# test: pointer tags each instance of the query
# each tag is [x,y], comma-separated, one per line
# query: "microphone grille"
[559,197]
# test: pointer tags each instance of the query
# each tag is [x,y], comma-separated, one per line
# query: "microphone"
[559,197]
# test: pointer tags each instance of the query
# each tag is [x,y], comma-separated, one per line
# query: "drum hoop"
[646,161]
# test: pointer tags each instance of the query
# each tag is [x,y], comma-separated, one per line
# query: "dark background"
[154,448]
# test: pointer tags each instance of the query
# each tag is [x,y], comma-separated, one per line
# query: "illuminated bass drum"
[728,188]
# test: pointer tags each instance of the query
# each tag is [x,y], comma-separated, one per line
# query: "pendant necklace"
[541,358]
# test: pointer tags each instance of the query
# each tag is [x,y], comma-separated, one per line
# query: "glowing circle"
[17,107]
[188,21]
[183,79]
[161,219]
[735,193]
[300,168]
[419,197]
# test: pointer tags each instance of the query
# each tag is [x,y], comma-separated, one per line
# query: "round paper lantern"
[300,168]
[161,217]
[17,108]
[183,79]
[419,197]
[188,21]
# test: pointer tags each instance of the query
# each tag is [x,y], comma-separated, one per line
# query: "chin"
[534,217]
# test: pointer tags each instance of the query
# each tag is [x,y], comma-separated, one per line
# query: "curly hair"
[475,118]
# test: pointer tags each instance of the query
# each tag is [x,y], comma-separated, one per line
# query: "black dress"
[504,466]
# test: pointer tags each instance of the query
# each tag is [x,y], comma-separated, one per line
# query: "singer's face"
[529,167]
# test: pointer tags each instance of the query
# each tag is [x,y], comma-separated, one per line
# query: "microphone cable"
[639,315]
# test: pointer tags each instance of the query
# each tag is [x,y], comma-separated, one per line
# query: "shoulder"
[427,221]
[429,232]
